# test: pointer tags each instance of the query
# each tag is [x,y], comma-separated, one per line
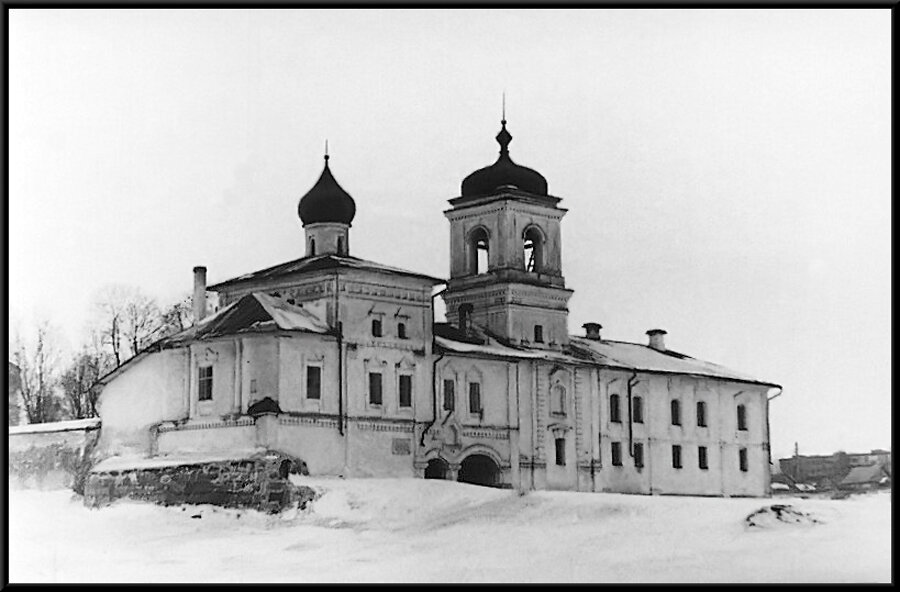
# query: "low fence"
[51,455]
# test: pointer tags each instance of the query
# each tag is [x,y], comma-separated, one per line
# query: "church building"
[338,361]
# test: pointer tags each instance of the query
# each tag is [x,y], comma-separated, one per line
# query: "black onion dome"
[504,172]
[326,201]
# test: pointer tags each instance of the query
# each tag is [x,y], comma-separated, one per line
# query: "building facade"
[338,361]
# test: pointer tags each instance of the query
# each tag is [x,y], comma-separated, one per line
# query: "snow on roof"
[56,426]
[289,317]
[641,357]
[615,354]
[127,462]
[319,263]
[864,474]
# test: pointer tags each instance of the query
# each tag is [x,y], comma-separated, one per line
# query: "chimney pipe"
[657,339]
[199,300]
[592,330]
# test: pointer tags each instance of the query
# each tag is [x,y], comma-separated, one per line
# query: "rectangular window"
[376,328]
[637,410]
[205,383]
[702,462]
[742,458]
[538,334]
[561,451]
[401,330]
[676,412]
[638,455]
[375,388]
[676,456]
[742,417]
[616,449]
[449,395]
[474,397]
[313,382]
[614,409]
[701,414]
[405,390]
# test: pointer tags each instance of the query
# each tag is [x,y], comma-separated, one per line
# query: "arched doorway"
[436,469]
[479,469]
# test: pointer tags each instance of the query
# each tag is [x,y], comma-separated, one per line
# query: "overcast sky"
[727,173]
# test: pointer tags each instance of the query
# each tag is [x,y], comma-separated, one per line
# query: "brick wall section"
[260,483]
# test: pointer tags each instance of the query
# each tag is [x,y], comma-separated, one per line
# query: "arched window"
[701,414]
[558,399]
[479,251]
[637,410]
[614,415]
[465,314]
[741,417]
[533,249]
[676,412]
[312,247]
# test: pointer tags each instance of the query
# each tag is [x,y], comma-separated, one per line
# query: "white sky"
[727,173]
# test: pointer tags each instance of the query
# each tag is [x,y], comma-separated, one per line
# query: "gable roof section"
[320,263]
[865,474]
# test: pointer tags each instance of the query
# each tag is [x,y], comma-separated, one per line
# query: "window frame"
[615,453]
[743,460]
[675,412]
[742,418]
[677,460]
[401,331]
[449,403]
[560,444]
[701,414]
[318,396]
[539,334]
[638,455]
[637,409]
[615,408]
[377,328]
[703,458]
[400,380]
[558,400]
[204,380]
[477,392]
[380,389]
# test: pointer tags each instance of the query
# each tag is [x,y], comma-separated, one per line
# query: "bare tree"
[79,381]
[127,318]
[37,362]
[177,317]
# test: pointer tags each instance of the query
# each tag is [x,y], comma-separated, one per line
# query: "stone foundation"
[260,482]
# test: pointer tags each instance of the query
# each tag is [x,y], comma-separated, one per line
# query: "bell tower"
[506,254]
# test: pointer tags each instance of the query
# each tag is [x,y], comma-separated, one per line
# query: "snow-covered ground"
[411,530]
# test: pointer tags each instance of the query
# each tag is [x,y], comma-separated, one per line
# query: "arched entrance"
[479,469]
[436,469]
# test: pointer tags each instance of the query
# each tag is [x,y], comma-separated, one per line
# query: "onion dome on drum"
[502,173]
[326,201]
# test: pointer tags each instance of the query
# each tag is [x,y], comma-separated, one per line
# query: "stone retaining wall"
[259,482]
[50,459]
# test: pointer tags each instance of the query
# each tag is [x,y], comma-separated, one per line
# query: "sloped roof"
[611,354]
[320,263]
[90,423]
[865,474]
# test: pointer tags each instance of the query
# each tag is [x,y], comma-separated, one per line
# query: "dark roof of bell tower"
[504,173]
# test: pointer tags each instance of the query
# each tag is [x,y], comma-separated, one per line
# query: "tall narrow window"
[558,400]
[474,398]
[741,417]
[376,327]
[702,461]
[560,451]
[205,383]
[465,315]
[676,456]
[614,414]
[449,395]
[538,334]
[405,390]
[313,382]
[638,455]
[479,251]
[340,245]
[701,414]
[676,412]
[312,247]
[742,459]
[401,330]
[375,388]
[532,249]
[637,410]
[616,453]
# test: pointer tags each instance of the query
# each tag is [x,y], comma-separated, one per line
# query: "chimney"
[657,339]
[199,300]
[592,331]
